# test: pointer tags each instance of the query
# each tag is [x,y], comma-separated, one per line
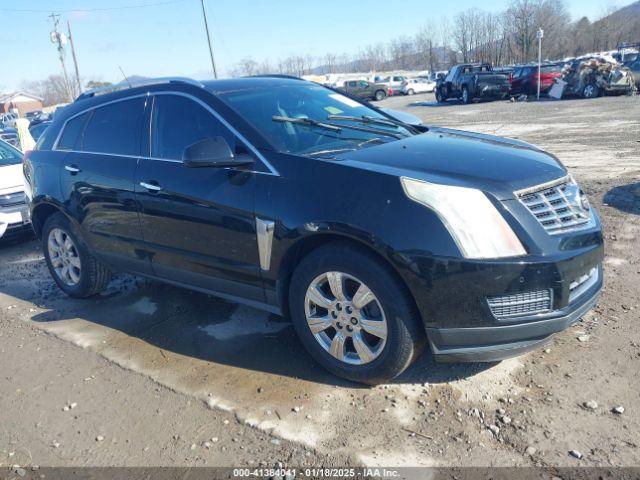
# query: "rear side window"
[179,122]
[115,128]
[70,138]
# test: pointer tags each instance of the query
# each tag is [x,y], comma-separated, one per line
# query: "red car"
[524,79]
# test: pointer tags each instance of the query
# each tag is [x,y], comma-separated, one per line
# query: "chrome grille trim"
[557,205]
[582,284]
[521,304]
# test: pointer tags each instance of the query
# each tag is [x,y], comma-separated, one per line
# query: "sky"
[167,37]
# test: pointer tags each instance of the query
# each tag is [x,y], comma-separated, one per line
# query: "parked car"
[32,114]
[418,85]
[40,117]
[634,67]
[8,119]
[394,83]
[9,135]
[365,89]
[38,129]
[524,80]
[14,213]
[374,236]
[471,81]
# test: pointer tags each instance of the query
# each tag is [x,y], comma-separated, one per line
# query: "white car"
[14,213]
[8,119]
[393,83]
[418,85]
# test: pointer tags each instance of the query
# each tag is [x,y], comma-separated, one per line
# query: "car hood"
[11,178]
[495,165]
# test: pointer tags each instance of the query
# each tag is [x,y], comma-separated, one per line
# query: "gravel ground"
[148,373]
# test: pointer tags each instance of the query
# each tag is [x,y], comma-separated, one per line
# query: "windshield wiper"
[366,119]
[334,127]
[307,121]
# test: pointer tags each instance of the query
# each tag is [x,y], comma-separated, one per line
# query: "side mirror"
[213,152]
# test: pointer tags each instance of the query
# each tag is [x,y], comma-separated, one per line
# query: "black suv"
[376,237]
[470,81]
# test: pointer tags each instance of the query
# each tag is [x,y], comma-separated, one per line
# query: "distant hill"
[625,22]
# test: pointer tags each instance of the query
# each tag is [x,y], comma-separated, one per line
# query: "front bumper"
[14,219]
[490,344]
[455,296]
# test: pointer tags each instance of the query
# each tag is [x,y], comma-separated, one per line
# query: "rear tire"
[410,91]
[404,336]
[380,95]
[74,269]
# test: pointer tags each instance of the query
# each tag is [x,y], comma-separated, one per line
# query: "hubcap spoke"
[362,297]
[363,350]
[319,324]
[345,317]
[64,258]
[317,297]
[75,262]
[375,327]
[336,283]
[59,236]
[337,346]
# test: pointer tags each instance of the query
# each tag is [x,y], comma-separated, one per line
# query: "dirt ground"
[149,374]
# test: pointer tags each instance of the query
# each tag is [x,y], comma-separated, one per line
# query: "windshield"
[8,155]
[279,113]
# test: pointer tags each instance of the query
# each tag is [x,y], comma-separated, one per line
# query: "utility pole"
[59,39]
[206,27]
[539,35]
[75,60]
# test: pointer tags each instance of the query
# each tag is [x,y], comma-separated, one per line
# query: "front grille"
[559,206]
[583,283]
[12,199]
[520,304]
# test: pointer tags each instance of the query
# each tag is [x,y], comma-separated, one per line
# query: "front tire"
[353,315]
[467,98]
[410,91]
[590,91]
[440,98]
[380,95]
[74,269]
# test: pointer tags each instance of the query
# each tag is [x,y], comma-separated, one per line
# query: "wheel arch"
[305,245]
[41,212]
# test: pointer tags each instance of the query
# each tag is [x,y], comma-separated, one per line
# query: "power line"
[206,27]
[88,10]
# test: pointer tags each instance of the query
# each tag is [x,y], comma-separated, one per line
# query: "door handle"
[71,168]
[151,187]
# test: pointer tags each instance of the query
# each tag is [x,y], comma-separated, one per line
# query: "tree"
[52,89]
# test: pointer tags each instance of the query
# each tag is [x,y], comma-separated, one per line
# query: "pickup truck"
[364,89]
[469,81]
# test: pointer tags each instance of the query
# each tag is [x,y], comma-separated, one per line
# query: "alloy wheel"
[64,257]
[346,318]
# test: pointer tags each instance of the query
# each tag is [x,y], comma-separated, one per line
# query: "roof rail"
[136,83]
[276,75]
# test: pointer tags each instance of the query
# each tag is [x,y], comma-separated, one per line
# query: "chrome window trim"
[272,171]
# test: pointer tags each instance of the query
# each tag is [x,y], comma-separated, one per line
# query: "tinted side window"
[115,128]
[179,122]
[70,138]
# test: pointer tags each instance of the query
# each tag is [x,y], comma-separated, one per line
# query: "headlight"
[477,227]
